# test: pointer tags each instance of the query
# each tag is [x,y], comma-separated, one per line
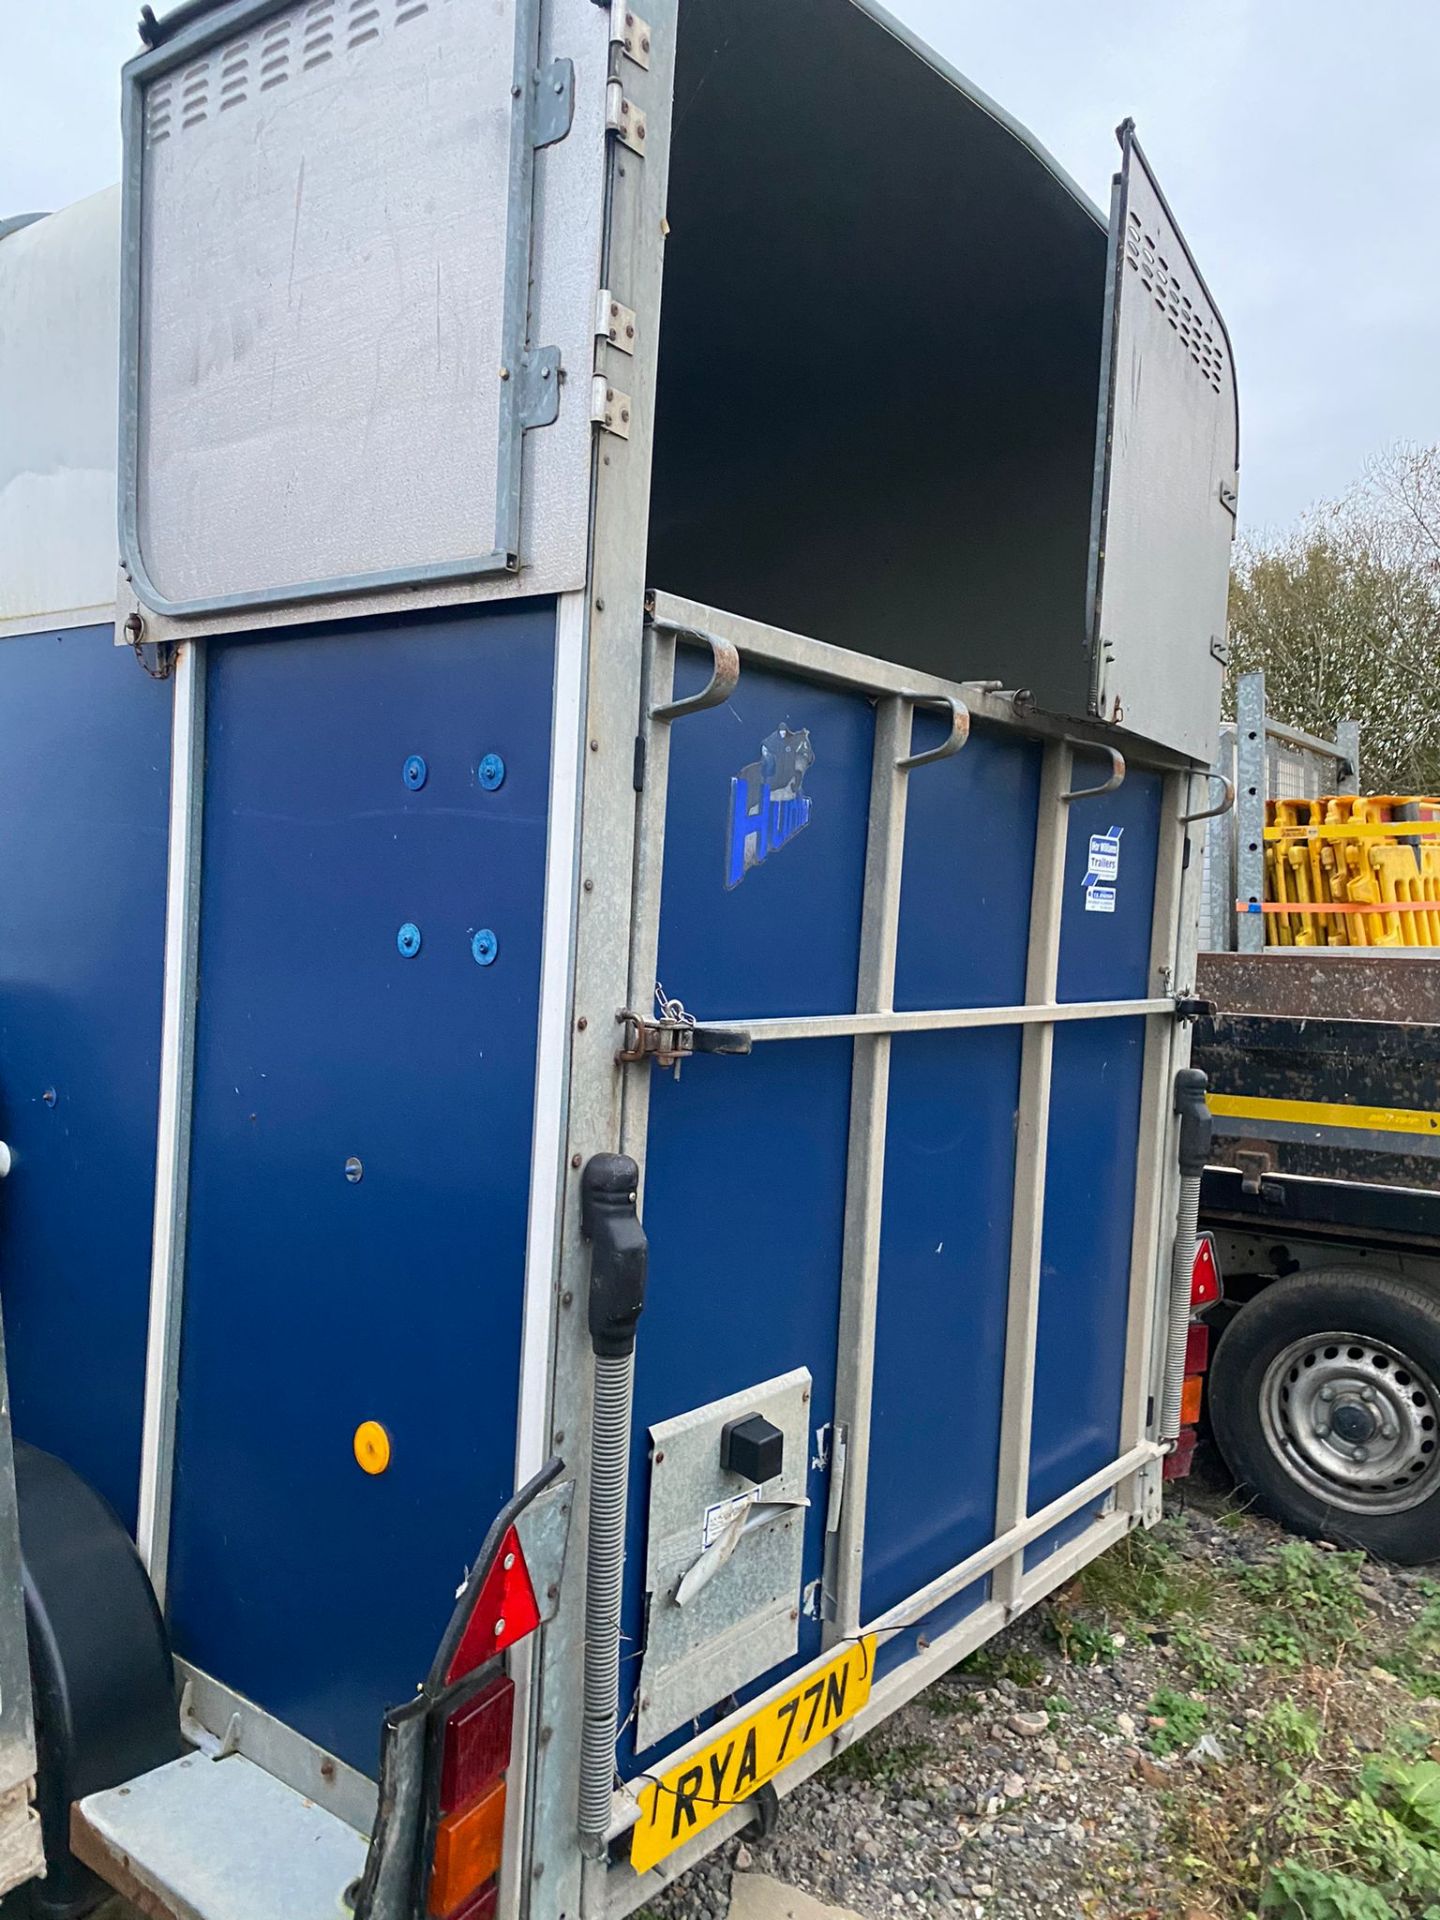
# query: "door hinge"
[624,119]
[614,322]
[629,31]
[673,1038]
[610,408]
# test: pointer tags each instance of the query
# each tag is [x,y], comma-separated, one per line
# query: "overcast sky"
[1298,142]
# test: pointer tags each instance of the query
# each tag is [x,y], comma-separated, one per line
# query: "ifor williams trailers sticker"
[1103,872]
[768,804]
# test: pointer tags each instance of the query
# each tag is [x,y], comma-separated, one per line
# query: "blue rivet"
[408,939]
[491,771]
[416,773]
[484,946]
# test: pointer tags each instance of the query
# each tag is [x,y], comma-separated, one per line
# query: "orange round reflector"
[372,1446]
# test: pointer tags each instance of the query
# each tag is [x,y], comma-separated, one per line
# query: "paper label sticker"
[1104,856]
[722,1514]
[1100,899]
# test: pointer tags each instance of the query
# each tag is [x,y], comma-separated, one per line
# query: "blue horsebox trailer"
[595,939]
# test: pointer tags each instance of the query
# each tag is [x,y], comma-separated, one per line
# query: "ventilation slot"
[1167,290]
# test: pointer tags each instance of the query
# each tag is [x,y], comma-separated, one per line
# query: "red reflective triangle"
[1204,1275]
[504,1612]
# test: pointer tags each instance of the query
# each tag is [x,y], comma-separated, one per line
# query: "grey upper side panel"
[363,436]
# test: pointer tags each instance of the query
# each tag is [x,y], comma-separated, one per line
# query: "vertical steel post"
[865,1171]
[177,1085]
[1218,860]
[597,1091]
[1032,1136]
[1249,811]
[1153,1158]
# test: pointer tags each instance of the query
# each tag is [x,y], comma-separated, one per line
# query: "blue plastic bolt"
[416,773]
[491,772]
[408,939]
[484,946]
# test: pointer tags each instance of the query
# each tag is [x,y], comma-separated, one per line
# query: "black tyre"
[1325,1402]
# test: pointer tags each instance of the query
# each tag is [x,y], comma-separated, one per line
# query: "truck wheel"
[1325,1402]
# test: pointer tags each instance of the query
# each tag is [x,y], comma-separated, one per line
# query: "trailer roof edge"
[979,98]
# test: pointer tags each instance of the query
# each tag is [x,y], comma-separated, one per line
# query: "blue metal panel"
[949,1166]
[84,774]
[745,1165]
[314,1302]
[784,939]
[903,1646]
[1093,1144]
[969,853]
[940,1331]
[1106,955]
[1085,1256]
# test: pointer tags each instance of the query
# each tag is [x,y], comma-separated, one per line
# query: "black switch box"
[753,1447]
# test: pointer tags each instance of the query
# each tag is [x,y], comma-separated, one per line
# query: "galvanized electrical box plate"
[723,1557]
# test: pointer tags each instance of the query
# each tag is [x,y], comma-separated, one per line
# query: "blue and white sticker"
[1105,855]
[1103,871]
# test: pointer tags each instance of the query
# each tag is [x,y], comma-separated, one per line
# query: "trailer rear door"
[1167,455]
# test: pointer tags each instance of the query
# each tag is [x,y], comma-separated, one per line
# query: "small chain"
[670,1010]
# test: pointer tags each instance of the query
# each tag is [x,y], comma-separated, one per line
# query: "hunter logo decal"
[768,806]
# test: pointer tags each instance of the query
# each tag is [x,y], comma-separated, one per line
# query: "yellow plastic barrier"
[1372,861]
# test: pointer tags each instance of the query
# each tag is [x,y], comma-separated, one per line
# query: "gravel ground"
[1149,1743]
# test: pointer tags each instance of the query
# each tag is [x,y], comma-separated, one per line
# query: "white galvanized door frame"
[1129,1486]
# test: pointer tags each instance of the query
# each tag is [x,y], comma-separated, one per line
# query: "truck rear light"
[505,1610]
[1205,1287]
[483,1906]
[1197,1348]
[477,1744]
[1190,1395]
[467,1856]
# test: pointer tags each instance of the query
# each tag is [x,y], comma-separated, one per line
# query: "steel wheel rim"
[1354,1421]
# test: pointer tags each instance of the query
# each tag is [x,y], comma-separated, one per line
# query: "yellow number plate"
[688,1797]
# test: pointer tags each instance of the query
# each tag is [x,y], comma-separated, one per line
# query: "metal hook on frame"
[959,730]
[724,675]
[1210,813]
[1117,775]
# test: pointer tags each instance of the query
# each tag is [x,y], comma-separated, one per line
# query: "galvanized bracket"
[671,1042]
[959,732]
[1229,498]
[609,407]
[540,387]
[724,676]
[624,119]
[1117,776]
[629,31]
[554,110]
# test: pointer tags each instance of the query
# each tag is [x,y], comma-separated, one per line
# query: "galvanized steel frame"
[598,1098]
[195,36]
[1130,1484]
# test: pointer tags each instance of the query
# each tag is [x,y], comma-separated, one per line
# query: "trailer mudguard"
[100,1664]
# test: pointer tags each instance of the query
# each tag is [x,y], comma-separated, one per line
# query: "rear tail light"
[477,1744]
[467,1856]
[1190,1400]
[1205,1287]
[504,1611]
[479,1706]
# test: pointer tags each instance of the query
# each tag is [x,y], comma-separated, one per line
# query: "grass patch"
[1177,1720]
[1313,1604]
[1145,1577]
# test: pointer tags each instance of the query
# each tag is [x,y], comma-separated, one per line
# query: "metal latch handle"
[1210,813]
